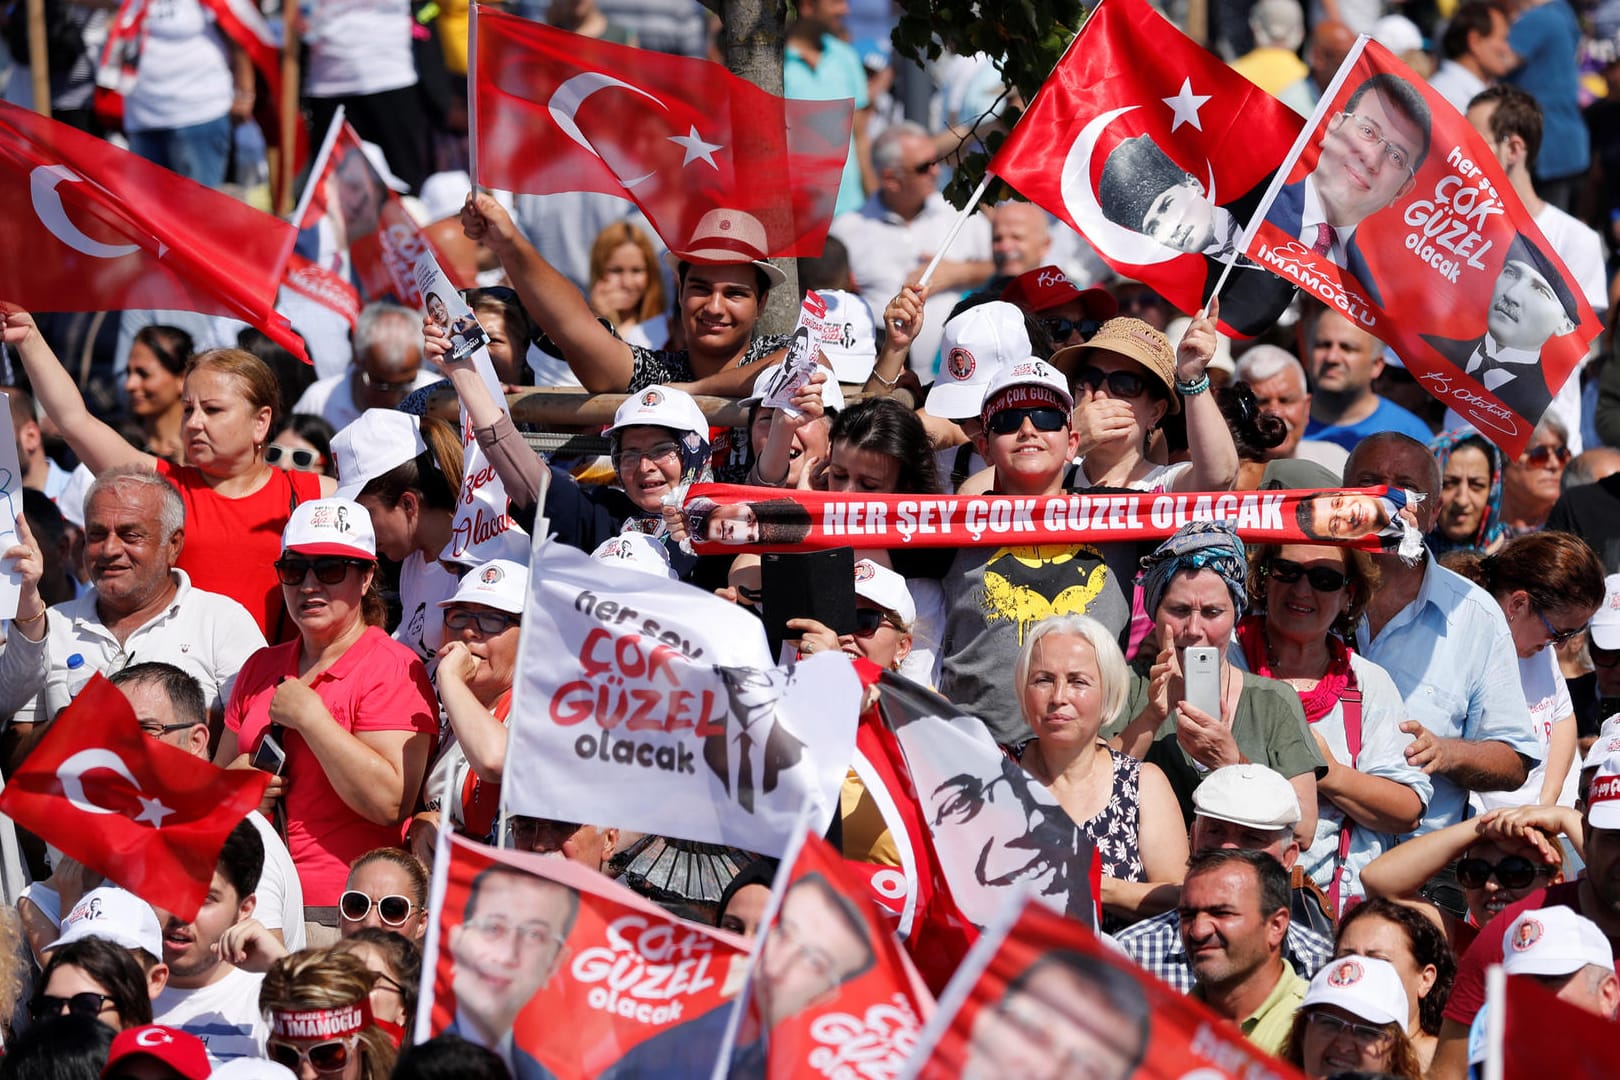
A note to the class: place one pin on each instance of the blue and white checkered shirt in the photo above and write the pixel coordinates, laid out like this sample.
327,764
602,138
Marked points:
1156,945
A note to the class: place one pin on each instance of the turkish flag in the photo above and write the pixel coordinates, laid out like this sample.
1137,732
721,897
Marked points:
681,137
90,227
148,816
1587,1045
1158,154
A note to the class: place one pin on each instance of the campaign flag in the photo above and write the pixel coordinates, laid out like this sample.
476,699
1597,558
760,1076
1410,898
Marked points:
653,705
681,137
1393,211
565,971
728,518
1041,995
1157,152
95,228
830,993
321,286
1587,1045
148,816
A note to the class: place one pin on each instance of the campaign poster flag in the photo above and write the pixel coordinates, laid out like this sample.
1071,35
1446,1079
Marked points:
1395,214
830,993
650,704
1157,153
1044,996
803,349
11,486
563,971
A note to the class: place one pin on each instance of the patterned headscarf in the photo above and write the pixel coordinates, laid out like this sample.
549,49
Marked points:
1198,545
1491,526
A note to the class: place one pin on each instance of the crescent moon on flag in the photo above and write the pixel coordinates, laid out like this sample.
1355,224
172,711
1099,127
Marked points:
48,205
71,774
567,98
1114,241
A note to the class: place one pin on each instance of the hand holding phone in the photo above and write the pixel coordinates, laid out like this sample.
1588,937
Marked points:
1201,678
269,756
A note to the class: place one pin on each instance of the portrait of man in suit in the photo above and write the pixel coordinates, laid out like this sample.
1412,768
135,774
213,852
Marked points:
1531,304
1370,156
750,755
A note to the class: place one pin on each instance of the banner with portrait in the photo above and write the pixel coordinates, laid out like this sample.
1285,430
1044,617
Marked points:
726,518
563,971
1393,211
1041,995
653,705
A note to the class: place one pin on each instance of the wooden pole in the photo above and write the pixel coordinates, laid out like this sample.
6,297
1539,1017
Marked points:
38,62
289,118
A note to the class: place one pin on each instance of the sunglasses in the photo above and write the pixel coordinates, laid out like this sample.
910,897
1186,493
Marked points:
923,168
298,458
489,623
329,569
1121,384
392,910
1556,636
1060,328
1513,872
867,621
324,1057
88,1003
1043,417
1321,578
1604,658
1539,456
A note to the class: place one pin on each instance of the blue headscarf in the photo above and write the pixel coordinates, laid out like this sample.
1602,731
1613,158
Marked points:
1198,545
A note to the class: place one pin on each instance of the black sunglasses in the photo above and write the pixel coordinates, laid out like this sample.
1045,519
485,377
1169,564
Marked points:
393,910
1044,417
329,569
1060,328
489,623
300,458
88,1003
867,621
1121,384
1513,872
1321,578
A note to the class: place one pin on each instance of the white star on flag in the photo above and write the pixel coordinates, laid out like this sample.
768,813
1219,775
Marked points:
696,149
152,810
1186,105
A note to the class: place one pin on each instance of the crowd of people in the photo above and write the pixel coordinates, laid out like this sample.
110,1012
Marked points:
1406,772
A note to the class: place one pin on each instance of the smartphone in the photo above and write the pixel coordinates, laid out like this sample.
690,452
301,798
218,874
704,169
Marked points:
817,585
269,757
1201,678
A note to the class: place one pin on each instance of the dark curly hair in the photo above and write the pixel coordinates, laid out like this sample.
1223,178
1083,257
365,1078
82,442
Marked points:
1428,946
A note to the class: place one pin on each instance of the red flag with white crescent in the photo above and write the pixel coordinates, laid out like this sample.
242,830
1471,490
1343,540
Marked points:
146,815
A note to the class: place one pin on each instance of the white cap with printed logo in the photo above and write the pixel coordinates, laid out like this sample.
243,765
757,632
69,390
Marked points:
1605,622
886,589
1553,941
974,346
500,583
1362,986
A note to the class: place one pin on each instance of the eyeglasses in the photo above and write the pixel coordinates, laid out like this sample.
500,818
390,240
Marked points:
324,1057
1121,384
1060,328
541,834
382,386
1554,635
1540,456
923,168
88,1003
867,621
489,623
1043,417
294,457
1333,1026
498,930
1368,132
392,910
329,569
1513,872
157,731
630,459
1604,658
1322,578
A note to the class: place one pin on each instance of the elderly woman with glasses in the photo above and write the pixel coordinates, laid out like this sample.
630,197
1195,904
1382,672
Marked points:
318,1006
1532,482
343,715
1194,587
1308,599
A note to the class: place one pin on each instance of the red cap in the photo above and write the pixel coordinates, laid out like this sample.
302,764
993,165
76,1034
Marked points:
1047,287
179,1051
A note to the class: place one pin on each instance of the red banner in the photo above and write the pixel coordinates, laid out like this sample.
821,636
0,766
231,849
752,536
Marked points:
1587,1045
569,969
1158,153
1397,215
729,518
1048,997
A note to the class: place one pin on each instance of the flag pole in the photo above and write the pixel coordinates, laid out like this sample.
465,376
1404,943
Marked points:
287,155
38,59
956,227
439,884
317,167
472,94
1495,1021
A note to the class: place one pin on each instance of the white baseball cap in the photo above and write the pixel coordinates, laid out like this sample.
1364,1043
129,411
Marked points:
636,551
379,440
832,395
1603,797
1032,372
1362,986
661,406
973,346
1605,622
500,583
117,915
853,351
886,589
1248,794
330,527
1553,941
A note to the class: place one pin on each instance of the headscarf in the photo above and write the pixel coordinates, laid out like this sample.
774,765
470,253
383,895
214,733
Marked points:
1491,526
1197,545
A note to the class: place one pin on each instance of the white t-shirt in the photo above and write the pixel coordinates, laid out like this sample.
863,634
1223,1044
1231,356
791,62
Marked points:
359,47
422,584
333,398
224,1015
279,903
1547,696
184,77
